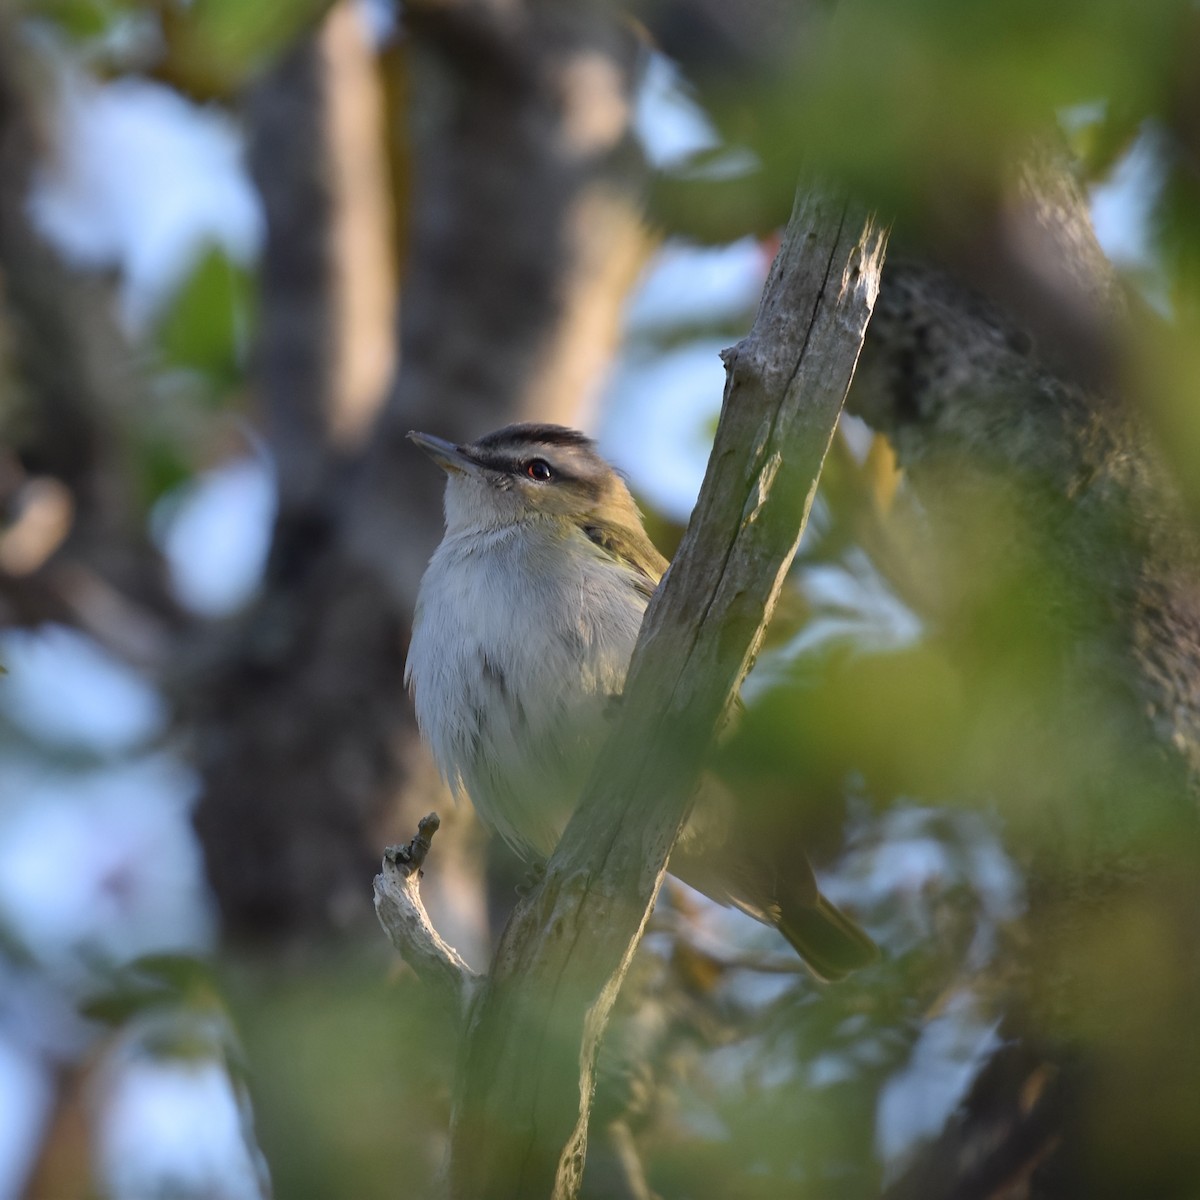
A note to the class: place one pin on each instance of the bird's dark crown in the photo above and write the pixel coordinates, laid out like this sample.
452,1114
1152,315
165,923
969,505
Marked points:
530,433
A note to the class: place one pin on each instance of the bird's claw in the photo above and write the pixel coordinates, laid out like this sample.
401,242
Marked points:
533,879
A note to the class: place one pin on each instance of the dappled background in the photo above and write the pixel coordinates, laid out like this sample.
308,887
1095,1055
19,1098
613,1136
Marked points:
245,248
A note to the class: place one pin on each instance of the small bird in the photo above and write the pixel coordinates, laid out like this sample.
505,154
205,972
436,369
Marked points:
525,623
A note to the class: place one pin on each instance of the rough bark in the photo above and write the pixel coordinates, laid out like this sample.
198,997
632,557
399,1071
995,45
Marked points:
523,1098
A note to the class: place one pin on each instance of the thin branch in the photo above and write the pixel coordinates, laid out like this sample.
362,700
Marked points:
403,917
524,1093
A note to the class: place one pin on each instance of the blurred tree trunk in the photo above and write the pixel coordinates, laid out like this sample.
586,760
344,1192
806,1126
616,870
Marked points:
75,548
520,240
295,716
73,542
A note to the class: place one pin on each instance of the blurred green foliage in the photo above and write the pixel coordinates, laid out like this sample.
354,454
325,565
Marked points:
351,1063
214,47
83,20
199,349
209,324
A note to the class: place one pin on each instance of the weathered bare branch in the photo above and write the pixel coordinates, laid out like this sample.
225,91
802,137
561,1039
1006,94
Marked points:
520,1122
403,917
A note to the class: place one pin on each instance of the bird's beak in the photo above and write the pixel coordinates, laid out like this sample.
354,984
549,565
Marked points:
446,454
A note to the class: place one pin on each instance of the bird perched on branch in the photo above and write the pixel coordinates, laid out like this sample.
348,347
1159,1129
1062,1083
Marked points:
525,623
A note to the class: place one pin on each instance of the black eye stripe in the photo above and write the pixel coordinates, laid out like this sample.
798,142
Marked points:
512,462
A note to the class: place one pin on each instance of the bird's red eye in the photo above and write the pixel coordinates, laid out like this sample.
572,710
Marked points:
539,469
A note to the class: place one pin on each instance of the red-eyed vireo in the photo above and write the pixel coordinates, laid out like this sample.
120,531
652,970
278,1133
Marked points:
525,623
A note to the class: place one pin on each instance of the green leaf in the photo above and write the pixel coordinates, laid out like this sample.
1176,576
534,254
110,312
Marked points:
206,327
81,20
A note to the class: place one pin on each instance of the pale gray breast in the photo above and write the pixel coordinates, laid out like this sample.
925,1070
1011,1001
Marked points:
516,647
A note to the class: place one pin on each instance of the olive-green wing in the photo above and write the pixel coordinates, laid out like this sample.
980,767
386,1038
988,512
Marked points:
630,547
634,548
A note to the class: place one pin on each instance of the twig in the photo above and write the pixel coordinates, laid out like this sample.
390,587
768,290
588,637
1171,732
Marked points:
403,917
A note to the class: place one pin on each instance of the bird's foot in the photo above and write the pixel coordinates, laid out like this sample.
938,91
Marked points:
533,879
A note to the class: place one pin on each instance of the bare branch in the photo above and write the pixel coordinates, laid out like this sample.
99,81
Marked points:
525,1090
404,919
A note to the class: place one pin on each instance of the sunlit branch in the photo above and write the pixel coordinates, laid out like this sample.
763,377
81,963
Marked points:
402,914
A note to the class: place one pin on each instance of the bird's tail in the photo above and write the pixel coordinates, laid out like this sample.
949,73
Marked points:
829,941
